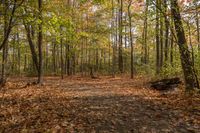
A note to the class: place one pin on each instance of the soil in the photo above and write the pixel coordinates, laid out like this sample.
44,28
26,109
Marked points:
105,105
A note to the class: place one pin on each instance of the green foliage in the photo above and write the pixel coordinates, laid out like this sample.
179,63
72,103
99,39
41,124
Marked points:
86,28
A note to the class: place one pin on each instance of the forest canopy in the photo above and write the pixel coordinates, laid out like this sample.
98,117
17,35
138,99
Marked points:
105,66
100,37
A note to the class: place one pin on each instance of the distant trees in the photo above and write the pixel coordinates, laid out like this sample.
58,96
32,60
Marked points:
8,12
30,33
106,37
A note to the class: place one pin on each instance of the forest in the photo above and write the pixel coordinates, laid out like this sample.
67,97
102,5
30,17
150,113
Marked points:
105,66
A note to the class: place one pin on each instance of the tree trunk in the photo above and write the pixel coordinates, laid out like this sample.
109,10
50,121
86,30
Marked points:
40,63
32,47
197,22
161,33
4,56
68,61
172,40
120,36
19,54
4,62
166,31
186,61
8,26
61,54
145,59
54,55
81,58
190,42
114,23
157,40
131,38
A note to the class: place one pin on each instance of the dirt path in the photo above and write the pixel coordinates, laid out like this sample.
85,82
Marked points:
77,104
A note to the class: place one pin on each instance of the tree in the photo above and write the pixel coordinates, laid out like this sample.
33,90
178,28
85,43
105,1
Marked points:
197,22
32,46
9,26
157,39
40,63
131,37
61,52
9,10
186,61
160,7
120,36
145,30
166,38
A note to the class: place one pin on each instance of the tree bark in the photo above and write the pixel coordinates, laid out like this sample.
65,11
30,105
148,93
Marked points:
161,33
166,31
32,47
145,59
40,63
157,40
114,45
197,22
120,36
61,54
186,61
131,38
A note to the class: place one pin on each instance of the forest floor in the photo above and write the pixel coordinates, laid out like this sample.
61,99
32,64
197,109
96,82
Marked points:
75,104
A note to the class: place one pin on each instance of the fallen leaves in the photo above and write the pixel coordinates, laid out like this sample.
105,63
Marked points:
105,105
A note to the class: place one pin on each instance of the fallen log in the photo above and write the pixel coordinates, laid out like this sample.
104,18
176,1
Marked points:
166,84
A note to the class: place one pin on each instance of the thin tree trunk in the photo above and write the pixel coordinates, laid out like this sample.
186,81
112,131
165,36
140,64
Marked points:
157,40
190,42
109,54
4,46
172,50
161,33
120,36
68,61
131,38
54,56
47,57
97,60
25,60
74,63
40,63
14,55
82,58
19,53
197,22
61,54
166,31
172,38
9,24
145,33
114,45
32,47
4,62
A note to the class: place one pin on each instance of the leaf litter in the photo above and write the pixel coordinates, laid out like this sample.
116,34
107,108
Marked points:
78,104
